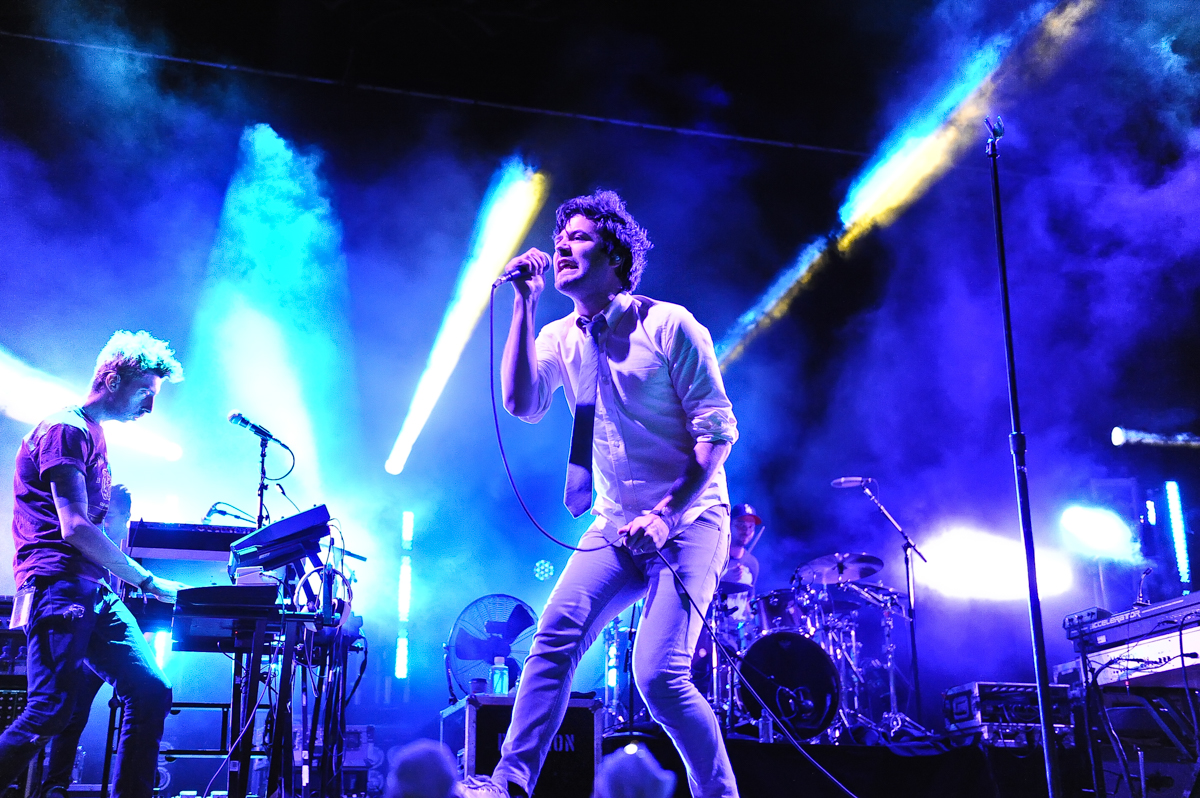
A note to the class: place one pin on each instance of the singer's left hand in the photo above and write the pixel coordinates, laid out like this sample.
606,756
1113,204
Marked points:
645,526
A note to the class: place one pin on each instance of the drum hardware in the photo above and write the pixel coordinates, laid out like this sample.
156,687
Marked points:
816,689
836,628
896,722
910,548
837,568
623,711
714,665
777,609
731,588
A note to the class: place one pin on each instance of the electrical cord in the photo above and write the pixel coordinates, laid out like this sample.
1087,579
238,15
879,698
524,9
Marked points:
1090,683
238,513
290,469
362,668
782,727
499,439
253,714
1187,688
716,641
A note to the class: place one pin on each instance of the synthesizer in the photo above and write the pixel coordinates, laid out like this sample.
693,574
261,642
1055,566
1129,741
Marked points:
1134,624
1157,645
153,540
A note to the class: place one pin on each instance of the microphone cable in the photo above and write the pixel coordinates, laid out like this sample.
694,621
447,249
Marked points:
500,439
729,656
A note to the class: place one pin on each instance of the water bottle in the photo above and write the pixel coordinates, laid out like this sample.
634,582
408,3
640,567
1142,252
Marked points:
766,729
499,677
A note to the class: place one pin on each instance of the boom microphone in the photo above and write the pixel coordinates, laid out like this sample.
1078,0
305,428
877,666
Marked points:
239,420
850,482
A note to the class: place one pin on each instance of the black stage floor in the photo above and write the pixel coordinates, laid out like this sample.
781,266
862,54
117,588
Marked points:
778,771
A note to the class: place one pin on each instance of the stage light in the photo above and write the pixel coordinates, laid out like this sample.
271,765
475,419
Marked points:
919,152
407,519
516,195
402,655
404,594
1178,531
28,395
405,587
1151,513
543,570
971,564
162,647
1099,532
271,335
612,664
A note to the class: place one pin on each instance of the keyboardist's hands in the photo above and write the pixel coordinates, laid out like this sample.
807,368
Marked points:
165,589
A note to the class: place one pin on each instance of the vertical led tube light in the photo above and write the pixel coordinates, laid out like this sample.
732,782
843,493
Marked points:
404,593
402,654
1178,532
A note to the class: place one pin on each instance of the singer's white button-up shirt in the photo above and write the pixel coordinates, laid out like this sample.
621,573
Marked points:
660,391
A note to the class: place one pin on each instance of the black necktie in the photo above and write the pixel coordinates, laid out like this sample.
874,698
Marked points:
578,493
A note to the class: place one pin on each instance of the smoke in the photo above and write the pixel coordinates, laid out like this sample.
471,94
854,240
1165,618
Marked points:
113,179
1097,168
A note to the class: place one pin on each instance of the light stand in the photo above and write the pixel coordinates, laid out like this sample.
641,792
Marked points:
1017,444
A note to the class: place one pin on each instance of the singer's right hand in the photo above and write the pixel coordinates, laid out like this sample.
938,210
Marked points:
532,263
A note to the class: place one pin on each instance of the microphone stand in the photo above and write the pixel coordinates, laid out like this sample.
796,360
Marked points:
262,481
1017,444
910,549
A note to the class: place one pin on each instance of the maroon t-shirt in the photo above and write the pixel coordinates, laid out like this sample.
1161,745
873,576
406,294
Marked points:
67,437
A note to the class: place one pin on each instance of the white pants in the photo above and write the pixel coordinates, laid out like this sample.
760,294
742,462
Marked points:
593,589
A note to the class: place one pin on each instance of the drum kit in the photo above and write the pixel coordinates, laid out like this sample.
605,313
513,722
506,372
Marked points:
800,651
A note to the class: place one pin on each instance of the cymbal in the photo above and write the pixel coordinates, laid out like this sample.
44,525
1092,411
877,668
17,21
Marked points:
729,588
839,567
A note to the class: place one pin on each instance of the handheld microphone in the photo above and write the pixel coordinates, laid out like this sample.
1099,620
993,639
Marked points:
239,420
510,275
850,482
527,267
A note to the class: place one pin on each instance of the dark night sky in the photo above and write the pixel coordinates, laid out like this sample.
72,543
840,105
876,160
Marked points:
114,171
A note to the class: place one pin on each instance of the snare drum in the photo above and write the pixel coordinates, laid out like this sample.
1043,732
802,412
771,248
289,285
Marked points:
778,610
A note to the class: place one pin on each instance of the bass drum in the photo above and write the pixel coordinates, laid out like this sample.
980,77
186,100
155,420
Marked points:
795,678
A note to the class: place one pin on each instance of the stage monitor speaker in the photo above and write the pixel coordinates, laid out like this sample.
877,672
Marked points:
475,727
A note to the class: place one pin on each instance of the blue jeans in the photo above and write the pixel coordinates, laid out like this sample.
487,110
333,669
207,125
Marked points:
76,624
593,589
60,761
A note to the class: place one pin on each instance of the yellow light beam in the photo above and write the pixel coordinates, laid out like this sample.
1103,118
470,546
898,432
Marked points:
915,162
516,196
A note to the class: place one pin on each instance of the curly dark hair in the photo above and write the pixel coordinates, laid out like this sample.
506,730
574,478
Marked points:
623,238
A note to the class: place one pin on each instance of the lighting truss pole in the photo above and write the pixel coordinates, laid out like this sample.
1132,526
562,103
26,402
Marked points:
1017,445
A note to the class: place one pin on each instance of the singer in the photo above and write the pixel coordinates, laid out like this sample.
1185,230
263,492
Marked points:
72,619
653,427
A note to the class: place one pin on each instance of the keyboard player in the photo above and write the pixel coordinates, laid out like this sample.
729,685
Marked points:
71,618
60,761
